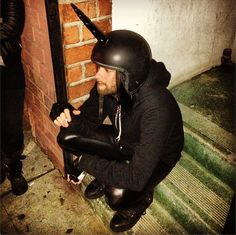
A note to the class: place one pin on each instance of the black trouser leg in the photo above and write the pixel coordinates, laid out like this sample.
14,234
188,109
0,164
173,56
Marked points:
101,142
98,142
128,198
12,107
12,138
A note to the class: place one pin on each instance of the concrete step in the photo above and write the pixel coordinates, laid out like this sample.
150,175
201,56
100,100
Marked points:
213,156
201,125
194,197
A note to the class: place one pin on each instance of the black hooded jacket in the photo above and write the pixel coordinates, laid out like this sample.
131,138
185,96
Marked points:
11,28
151,124
13,18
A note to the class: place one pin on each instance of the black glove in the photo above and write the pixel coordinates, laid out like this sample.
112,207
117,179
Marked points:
75,173
58,108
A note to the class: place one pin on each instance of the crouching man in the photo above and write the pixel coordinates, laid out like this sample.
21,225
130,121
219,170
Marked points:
130,157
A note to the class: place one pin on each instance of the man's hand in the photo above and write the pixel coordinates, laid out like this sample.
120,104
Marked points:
60,113
78,180
65,117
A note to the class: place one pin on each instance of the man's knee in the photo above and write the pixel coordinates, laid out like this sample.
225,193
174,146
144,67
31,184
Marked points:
119,199
67,138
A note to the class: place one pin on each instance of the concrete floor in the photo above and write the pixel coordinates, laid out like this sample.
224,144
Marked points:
211,94
50,206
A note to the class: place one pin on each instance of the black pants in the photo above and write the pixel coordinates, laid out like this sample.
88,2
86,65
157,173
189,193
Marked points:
102,142
12,108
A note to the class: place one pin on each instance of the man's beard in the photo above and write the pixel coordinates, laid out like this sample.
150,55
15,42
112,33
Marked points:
106,90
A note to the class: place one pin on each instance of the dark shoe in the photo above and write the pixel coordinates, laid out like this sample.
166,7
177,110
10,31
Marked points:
94,190
125,219
18,183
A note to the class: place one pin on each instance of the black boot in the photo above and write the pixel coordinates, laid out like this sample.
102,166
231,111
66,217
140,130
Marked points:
125,219
94,190
18,182
2,173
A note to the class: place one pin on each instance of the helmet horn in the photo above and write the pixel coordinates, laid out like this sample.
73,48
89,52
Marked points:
89,24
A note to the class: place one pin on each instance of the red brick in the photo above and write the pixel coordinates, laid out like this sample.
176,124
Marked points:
38,94
36,79
24,56
47,58
87,35
35,51
27,3
26,69
33,76
47,101
104,7
32,122
50,137
52,127
56,157
50,83
31,86
28,32
32,54
37,114
44,109
34,65
77,54
39,6
74,74
29,97
41,84
31,17
71,35
41,38
41,137
81,89
103,25
51,93
43,24
68,15
25,41
90,69
46,72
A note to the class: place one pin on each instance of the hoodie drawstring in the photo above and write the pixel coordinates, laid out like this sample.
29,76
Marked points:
118,122
100,110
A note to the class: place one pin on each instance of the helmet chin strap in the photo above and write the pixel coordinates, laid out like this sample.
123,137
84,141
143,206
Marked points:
118,79
90,25
122,78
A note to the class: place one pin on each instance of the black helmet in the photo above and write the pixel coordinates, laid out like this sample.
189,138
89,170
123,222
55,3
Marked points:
122,50
127,52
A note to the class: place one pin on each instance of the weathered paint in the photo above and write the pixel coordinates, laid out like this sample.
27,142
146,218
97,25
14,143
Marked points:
187,35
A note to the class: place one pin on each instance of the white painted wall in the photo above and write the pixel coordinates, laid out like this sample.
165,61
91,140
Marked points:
187,35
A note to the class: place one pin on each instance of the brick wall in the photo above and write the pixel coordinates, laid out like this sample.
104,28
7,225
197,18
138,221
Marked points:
78,43
36,57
